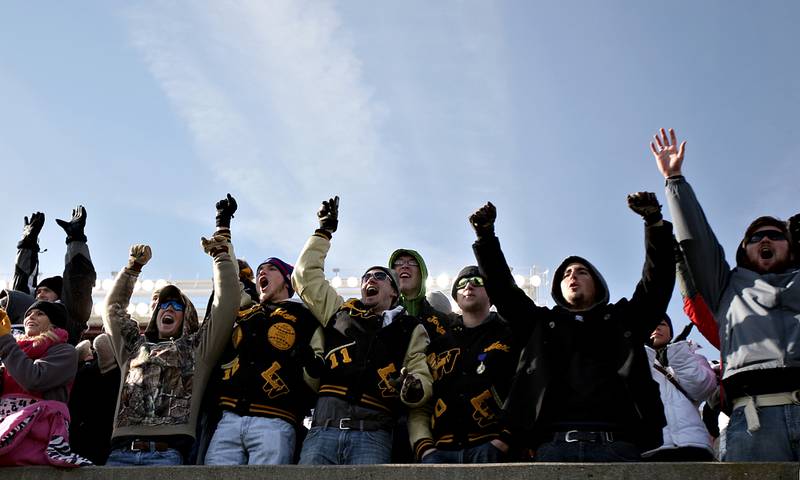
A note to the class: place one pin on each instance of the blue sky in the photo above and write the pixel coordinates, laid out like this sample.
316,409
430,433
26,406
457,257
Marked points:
414,112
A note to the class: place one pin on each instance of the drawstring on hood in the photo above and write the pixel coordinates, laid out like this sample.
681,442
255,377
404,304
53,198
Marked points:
601,288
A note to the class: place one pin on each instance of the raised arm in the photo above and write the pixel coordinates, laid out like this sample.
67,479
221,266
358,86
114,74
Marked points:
511,301
225,305
79,275
122,329
26,267
704,255
308,278
654,290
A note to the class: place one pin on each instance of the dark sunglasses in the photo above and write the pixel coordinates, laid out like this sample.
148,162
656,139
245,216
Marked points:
773,235
178,307
474,281
402,263
380,276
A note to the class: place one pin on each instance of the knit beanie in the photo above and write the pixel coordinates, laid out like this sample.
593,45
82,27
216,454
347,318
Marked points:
392,277
285,269
53,283
466,272
55,311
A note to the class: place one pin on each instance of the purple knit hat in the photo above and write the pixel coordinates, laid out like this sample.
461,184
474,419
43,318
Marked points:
285,269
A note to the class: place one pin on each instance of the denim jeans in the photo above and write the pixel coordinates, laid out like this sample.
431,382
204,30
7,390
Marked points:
776,440
484,453
122,457
587,452
332,446
251,441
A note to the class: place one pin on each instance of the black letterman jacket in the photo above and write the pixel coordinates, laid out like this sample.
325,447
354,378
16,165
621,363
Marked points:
362,355
261,372
472,372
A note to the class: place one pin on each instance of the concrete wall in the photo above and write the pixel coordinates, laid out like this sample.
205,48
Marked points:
523,471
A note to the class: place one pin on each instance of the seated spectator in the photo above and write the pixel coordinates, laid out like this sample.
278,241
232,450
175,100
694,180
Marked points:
685,380
37,372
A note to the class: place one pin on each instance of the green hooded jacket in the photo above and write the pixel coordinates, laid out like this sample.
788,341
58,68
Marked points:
412,304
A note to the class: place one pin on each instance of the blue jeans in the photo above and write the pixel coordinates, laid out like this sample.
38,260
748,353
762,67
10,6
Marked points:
332,446
251,441
484,453
122,457
776,440
587,452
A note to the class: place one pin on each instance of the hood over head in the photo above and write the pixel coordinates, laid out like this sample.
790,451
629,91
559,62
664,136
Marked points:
190,321
601,288
765,221
413,302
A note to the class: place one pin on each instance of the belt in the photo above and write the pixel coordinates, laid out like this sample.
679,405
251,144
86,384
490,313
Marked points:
766,400
146,446
351,424
591,437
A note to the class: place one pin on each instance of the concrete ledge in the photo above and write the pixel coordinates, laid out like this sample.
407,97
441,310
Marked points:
515,471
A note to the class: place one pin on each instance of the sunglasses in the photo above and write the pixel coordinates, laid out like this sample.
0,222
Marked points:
773,235
178,307
379,276
474,281
405,263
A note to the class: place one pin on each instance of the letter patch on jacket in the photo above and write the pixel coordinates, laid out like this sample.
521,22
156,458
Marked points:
281,335
483,414
388,381
230,368
443,363
275,386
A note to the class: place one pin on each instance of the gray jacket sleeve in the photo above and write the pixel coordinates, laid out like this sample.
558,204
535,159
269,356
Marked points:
704,255
55,369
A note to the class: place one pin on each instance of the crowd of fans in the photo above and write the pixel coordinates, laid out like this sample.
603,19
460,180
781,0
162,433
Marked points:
394,376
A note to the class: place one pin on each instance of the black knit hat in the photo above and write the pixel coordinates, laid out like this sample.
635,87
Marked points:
466,272
55,311
53,283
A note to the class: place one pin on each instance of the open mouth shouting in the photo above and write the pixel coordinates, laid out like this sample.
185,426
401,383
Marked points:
371,290
765,252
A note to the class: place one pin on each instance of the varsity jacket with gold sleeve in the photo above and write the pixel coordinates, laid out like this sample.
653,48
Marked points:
363,358
472,371
261,372
364,352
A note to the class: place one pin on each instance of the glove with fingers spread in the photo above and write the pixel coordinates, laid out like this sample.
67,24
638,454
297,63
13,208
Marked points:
225,210
139,256
216,245
482,220
74,227
30,232
5,323
646,205
328,215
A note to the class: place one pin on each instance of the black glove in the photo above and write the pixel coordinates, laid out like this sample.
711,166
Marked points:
74,227
684,333
483,220
411,391
225,210
30,232
328,215
645,204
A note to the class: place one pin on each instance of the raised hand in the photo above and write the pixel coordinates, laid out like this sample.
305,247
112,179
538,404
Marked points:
216,245
139,256
669,157
225,210
74,227
646,205
30,232
328,215
483,220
